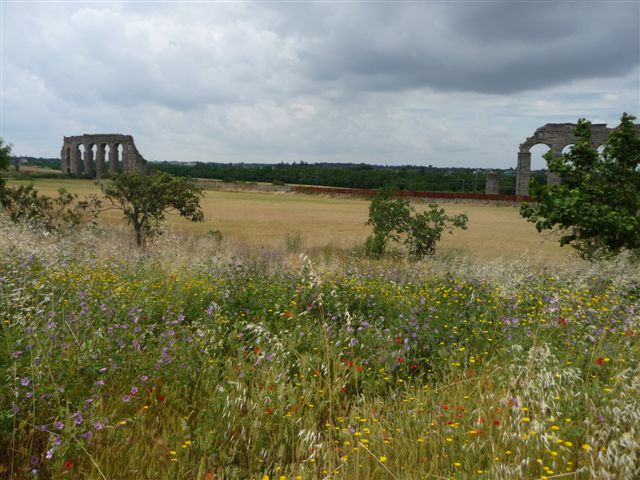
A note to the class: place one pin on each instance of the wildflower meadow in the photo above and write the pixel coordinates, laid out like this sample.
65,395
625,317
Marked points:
206,362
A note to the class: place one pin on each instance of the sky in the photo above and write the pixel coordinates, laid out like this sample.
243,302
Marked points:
442,83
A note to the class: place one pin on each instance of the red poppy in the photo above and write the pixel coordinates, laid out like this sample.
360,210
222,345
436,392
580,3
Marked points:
496,422
400,359
160,398
600,361
68,464
398,339
413,366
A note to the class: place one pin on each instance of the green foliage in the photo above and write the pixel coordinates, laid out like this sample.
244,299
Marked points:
392,218
146,199
5,161
597,205
425,230
25,205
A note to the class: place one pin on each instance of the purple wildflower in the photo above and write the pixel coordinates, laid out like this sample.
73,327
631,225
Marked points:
77,418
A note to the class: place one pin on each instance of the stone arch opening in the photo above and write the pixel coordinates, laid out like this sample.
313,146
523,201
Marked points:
537,152
107,158
82,149
120,156
567,148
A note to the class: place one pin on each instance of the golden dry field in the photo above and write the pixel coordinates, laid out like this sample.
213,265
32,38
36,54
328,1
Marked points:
264,220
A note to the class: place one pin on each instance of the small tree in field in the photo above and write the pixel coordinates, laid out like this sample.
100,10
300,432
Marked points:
146,199
597,205
392,218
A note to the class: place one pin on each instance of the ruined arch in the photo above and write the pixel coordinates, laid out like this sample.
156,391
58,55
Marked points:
93,162
556,136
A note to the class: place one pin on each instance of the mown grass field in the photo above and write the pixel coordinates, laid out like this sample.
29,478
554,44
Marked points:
241,359
266,219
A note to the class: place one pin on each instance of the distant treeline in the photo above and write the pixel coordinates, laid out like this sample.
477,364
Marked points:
38,161
349,175
415,178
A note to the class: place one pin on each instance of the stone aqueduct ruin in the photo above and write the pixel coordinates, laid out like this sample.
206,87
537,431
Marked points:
556,136
93,155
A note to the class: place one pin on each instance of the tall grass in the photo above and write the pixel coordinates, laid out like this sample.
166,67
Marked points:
201,359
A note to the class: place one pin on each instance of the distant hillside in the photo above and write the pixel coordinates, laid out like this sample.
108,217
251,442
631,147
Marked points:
37,161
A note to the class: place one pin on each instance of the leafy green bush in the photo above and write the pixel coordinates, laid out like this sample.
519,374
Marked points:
393,218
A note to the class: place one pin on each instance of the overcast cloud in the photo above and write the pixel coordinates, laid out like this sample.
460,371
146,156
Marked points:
440,83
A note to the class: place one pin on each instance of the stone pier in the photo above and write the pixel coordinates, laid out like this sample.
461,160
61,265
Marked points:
493,183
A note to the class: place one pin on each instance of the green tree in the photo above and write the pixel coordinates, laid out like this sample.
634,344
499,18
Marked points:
392,219
146,199
597,205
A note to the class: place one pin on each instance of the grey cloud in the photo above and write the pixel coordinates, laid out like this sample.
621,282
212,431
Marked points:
502,47
391,83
